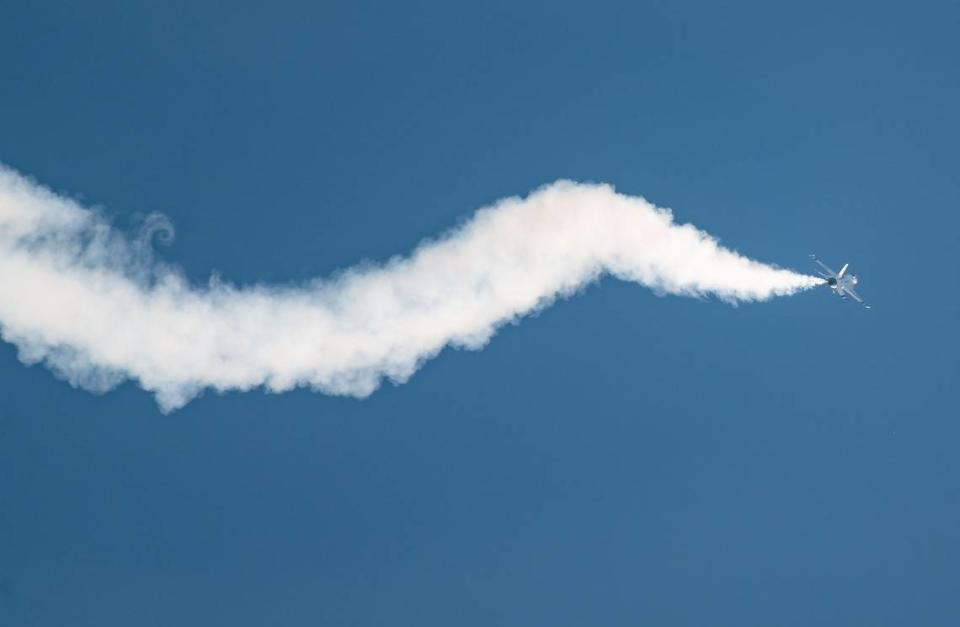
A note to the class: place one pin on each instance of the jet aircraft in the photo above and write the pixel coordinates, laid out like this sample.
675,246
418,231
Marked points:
842,283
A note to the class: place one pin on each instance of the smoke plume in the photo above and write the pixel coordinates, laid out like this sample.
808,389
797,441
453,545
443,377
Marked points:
97,308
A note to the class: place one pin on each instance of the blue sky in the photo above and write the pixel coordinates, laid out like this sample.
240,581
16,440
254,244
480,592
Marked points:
621,458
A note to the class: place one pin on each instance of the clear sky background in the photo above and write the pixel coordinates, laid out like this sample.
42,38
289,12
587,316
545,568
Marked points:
620,459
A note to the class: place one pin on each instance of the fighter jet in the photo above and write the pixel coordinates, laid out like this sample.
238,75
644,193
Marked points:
840,282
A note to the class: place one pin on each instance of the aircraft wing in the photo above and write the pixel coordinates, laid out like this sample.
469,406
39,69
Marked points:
853,294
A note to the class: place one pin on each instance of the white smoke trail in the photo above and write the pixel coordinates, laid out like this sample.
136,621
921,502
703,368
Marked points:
97,309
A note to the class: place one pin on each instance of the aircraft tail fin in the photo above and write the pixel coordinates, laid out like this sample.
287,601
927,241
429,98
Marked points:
830,272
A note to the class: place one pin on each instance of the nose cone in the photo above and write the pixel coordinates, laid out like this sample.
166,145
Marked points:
854,279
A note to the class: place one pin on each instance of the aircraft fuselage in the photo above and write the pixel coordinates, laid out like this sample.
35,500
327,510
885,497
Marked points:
841,283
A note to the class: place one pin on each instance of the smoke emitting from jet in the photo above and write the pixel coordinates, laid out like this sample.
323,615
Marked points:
97,308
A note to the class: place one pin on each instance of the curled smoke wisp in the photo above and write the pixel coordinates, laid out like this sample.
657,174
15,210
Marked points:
97,308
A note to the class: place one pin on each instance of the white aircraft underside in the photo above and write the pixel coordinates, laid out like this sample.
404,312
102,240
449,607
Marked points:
842,283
